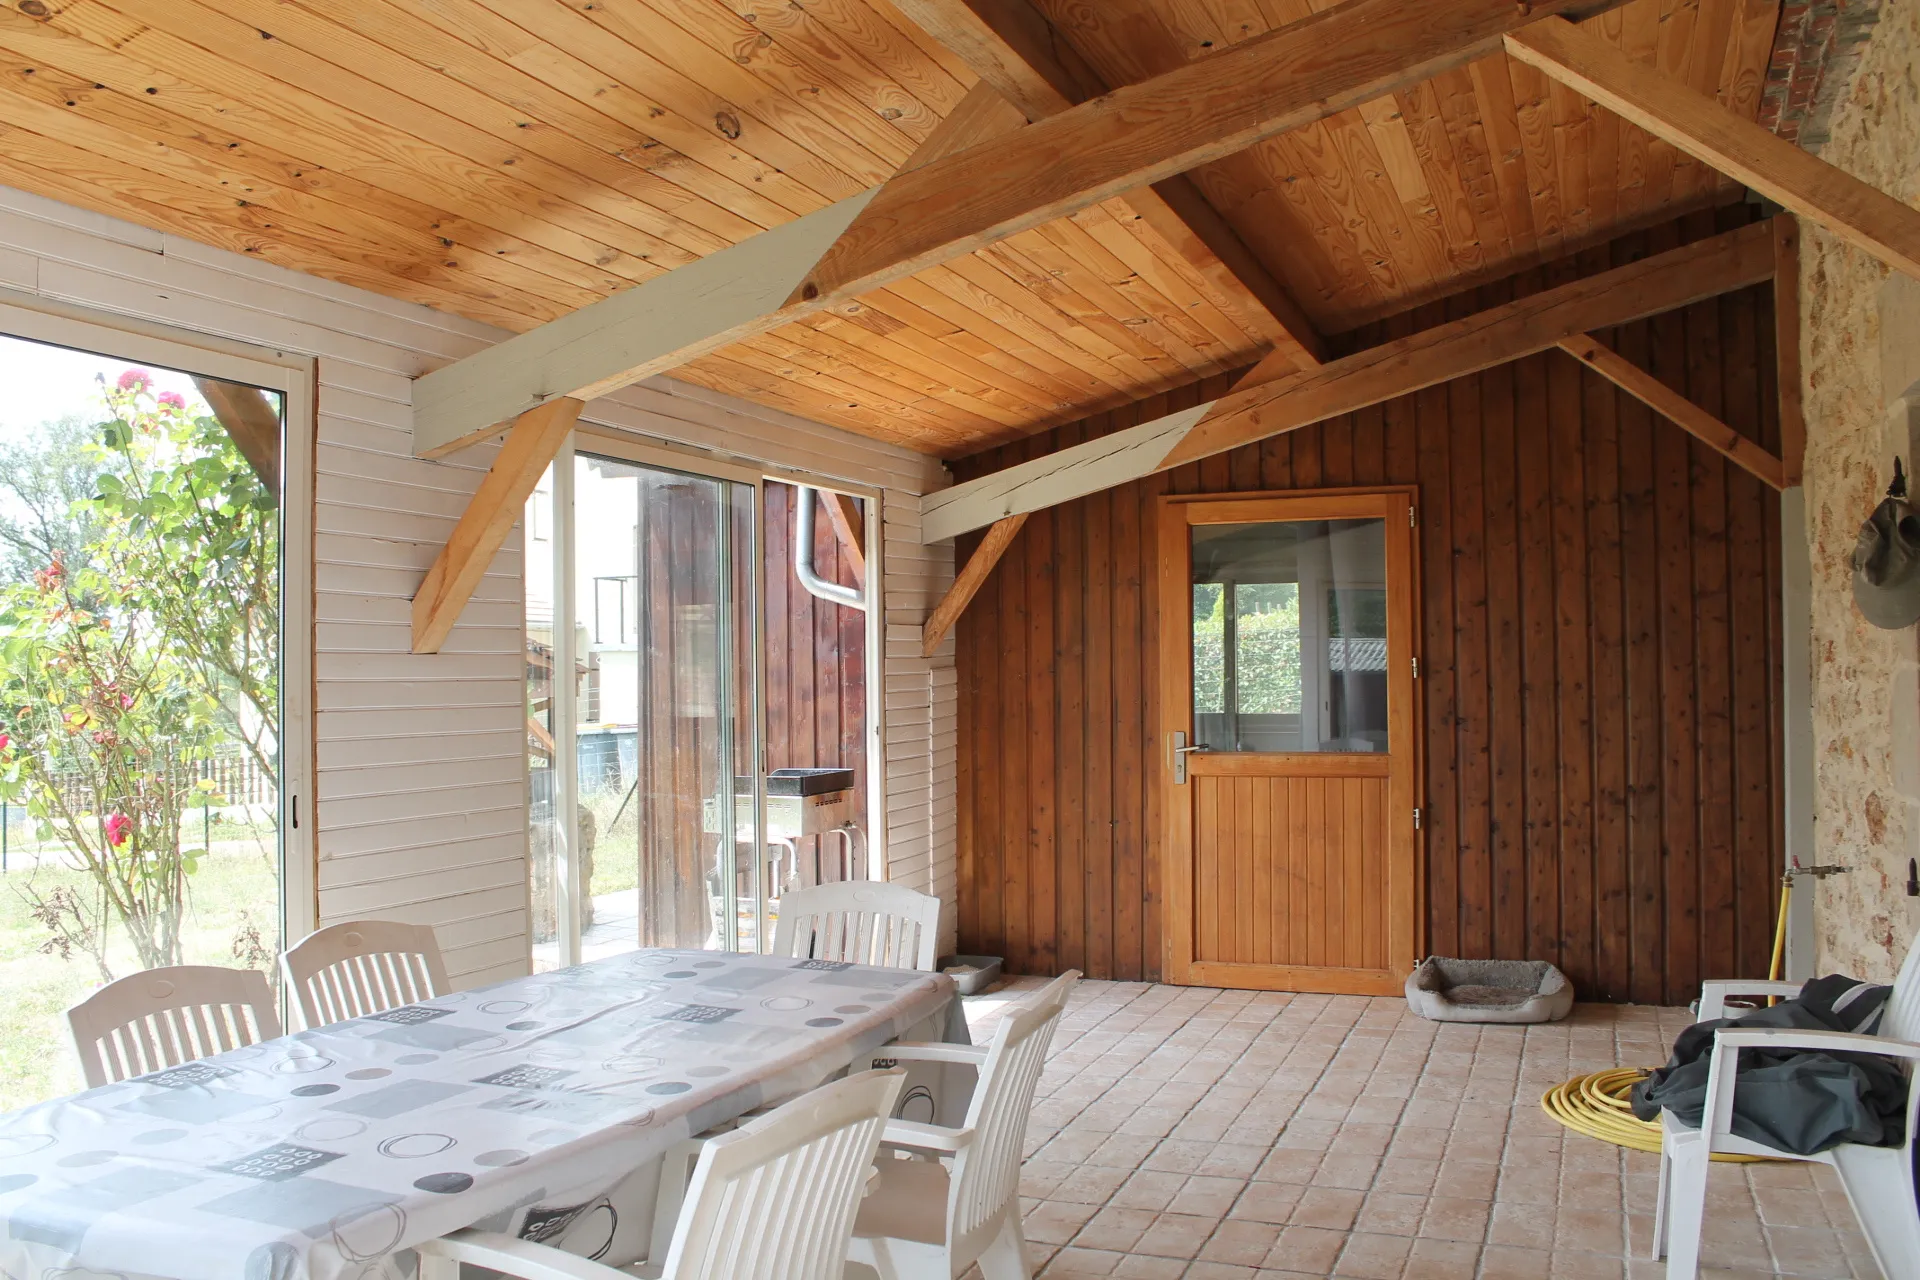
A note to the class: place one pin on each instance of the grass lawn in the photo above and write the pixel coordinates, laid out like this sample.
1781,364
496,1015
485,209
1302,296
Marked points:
235,888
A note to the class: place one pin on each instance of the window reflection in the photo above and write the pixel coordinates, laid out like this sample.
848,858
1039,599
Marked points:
1290,636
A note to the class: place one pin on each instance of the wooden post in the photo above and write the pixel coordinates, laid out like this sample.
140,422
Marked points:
1786,346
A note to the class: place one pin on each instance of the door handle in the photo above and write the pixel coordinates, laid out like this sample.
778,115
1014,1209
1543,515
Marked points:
1180,751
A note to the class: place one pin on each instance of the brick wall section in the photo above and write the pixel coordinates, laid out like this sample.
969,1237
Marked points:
1815,53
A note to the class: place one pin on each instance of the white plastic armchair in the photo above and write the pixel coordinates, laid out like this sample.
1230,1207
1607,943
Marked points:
932,1218
860,922
362,967
772,1200
1879,1181
159,1018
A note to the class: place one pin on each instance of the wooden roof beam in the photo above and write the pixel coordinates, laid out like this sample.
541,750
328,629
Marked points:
1676,408
1270,401
1866,218
1013,47
950,207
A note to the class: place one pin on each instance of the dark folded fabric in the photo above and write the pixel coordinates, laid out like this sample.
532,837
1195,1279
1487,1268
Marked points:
1790,1099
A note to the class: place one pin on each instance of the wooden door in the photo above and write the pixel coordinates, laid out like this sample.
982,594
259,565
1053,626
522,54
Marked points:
1291,752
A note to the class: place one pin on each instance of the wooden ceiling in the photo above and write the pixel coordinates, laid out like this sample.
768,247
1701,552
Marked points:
512,160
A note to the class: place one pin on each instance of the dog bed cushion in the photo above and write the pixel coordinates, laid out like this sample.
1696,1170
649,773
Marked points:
1447,990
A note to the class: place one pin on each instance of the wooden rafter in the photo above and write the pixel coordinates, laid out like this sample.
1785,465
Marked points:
1676,408
483,527
967,583
1261,406
945,209
1013,47
1868,219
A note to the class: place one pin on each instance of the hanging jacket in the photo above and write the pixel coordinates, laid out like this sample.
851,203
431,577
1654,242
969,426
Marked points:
1794,1100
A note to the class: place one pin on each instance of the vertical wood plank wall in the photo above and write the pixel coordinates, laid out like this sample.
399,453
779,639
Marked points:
816,659
1601,656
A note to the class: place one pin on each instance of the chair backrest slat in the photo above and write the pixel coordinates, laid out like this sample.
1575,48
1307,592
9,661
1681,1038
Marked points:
363,967
860,922
775,1199
160,1018
986,1173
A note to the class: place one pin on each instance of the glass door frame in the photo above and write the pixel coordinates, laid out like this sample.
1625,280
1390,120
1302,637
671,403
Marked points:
292,375
622,446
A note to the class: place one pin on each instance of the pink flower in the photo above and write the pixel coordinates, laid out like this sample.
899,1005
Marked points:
5,741
135,380
173,400
119,827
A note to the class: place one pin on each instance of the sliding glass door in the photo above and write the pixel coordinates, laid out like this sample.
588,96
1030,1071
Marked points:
697,685
661,712
150,723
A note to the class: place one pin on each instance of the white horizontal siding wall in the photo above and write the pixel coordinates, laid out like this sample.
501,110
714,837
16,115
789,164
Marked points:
420,775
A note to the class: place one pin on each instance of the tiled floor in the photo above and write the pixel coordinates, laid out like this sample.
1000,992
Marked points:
1207,1135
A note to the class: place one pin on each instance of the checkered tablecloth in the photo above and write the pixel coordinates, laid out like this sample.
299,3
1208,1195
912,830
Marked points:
525,1107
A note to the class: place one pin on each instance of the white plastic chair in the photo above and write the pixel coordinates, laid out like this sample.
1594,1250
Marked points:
931,1219
861,922
364,966
161,1018
773,1200
1879,1181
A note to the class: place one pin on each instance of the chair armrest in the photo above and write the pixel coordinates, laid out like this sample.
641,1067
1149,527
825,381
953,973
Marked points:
965,1055
1826,1041
515,1257
925,1137
1713,995
1723,1068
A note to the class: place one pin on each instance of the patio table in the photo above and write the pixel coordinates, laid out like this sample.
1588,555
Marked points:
540,1106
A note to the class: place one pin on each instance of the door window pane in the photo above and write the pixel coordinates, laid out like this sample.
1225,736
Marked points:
1289,636
140,715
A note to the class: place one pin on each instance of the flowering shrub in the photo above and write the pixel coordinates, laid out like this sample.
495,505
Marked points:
120,672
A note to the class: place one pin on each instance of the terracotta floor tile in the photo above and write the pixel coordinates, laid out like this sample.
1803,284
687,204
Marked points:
1189,1134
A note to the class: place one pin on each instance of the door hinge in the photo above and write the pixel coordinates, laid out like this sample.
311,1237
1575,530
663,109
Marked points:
1416,819
1416,668
1412,519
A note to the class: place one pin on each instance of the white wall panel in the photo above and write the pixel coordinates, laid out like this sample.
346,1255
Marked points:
421,780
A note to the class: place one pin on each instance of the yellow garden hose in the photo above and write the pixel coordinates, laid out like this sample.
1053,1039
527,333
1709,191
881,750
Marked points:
1597,1104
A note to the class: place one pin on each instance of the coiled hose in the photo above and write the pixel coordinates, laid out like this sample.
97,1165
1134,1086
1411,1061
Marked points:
1597,1104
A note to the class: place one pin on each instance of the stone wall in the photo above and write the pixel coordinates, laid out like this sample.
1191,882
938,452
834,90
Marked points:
1866,714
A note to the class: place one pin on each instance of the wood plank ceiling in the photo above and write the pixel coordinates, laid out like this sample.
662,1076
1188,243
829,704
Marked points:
512,160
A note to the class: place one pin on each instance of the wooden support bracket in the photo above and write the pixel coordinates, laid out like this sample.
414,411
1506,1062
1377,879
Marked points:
533,440
849,525
251,419
968,583
1676,408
